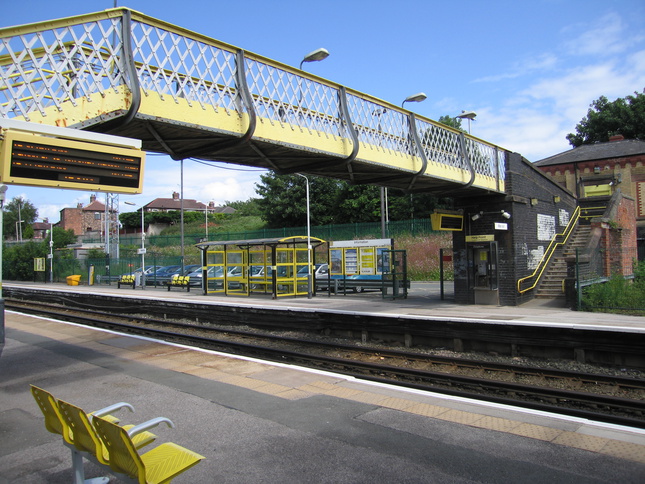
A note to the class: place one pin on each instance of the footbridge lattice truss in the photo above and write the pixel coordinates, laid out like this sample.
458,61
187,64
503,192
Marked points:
189,96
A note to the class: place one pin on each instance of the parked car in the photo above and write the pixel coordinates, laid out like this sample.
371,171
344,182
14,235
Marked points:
320,271
162,275
197,276
191,268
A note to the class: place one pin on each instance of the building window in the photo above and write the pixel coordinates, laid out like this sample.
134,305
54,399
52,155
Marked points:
97,215
640,198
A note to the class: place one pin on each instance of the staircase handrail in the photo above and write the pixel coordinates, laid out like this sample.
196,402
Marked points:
546,257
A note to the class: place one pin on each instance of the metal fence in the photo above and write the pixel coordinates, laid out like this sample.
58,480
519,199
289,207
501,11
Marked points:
107,270
325,232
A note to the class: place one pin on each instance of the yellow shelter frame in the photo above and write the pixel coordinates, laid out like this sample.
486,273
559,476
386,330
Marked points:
275,266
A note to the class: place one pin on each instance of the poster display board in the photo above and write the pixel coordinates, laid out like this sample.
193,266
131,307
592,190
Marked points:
360,257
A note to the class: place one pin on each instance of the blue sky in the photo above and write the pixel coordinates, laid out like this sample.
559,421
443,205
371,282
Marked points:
529,70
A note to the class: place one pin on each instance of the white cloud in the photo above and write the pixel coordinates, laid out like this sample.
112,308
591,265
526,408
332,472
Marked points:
527,66
607,36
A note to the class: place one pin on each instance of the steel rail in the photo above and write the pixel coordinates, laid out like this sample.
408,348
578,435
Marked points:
610,409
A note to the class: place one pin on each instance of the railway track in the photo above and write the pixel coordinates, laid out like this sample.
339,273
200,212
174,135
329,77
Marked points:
599,397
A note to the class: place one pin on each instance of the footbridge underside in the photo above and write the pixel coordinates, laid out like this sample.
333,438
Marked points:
189,96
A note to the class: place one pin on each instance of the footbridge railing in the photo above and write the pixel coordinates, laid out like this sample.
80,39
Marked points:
188,95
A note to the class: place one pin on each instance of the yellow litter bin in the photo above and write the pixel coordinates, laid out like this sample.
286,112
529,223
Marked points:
73,280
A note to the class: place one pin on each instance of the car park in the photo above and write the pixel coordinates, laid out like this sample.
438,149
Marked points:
196,277
162,275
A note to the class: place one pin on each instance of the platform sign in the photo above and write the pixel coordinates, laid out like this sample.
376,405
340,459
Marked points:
39,264
68,158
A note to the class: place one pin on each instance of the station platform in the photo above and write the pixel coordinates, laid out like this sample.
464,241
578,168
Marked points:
423,302
256,421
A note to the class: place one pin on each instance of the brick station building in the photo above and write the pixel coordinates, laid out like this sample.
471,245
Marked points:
602,168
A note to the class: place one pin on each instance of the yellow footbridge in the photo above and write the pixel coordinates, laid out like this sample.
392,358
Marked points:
189,96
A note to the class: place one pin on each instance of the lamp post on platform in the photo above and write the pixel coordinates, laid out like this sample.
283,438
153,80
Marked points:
142,250
51,251
309,275
3,190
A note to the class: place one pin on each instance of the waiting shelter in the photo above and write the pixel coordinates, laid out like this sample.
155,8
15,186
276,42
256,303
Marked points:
276,266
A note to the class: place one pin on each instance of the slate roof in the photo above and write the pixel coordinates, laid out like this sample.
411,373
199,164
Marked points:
597,151
175,204
95,206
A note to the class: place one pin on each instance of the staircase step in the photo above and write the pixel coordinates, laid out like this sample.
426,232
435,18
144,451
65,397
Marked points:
551,284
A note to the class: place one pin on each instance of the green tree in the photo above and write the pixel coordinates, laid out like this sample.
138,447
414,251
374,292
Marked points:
130,220
62,238
451,121
358,204
18,260
247,208
283,201
18,209
624,116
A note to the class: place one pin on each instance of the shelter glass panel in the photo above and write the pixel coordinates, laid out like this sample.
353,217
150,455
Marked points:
215,279
236,276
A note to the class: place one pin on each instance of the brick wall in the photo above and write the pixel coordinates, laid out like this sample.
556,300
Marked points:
72,218
618,240
536,215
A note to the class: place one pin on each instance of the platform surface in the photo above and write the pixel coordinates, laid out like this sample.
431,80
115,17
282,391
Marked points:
423,302
261,422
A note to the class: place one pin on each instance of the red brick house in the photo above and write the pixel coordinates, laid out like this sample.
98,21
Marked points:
88,220
599,169
174,205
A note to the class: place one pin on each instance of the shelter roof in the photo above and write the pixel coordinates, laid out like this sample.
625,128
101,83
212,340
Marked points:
272,241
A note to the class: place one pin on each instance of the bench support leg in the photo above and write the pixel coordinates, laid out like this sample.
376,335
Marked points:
79,471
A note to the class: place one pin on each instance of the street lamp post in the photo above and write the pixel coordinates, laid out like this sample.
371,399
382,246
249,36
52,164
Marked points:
143,247
415,98
309,272
19,222
315,56
206,221
469,115
51,252
3,190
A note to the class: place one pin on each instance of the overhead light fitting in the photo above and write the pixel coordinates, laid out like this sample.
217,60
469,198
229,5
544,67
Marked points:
315,56
467,115
415,98
479,215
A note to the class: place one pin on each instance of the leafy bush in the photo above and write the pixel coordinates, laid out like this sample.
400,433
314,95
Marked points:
18,260
619,294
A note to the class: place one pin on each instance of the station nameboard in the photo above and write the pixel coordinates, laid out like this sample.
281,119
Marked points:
46,161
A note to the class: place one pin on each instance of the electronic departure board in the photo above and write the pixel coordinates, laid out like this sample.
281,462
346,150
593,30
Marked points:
43,161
